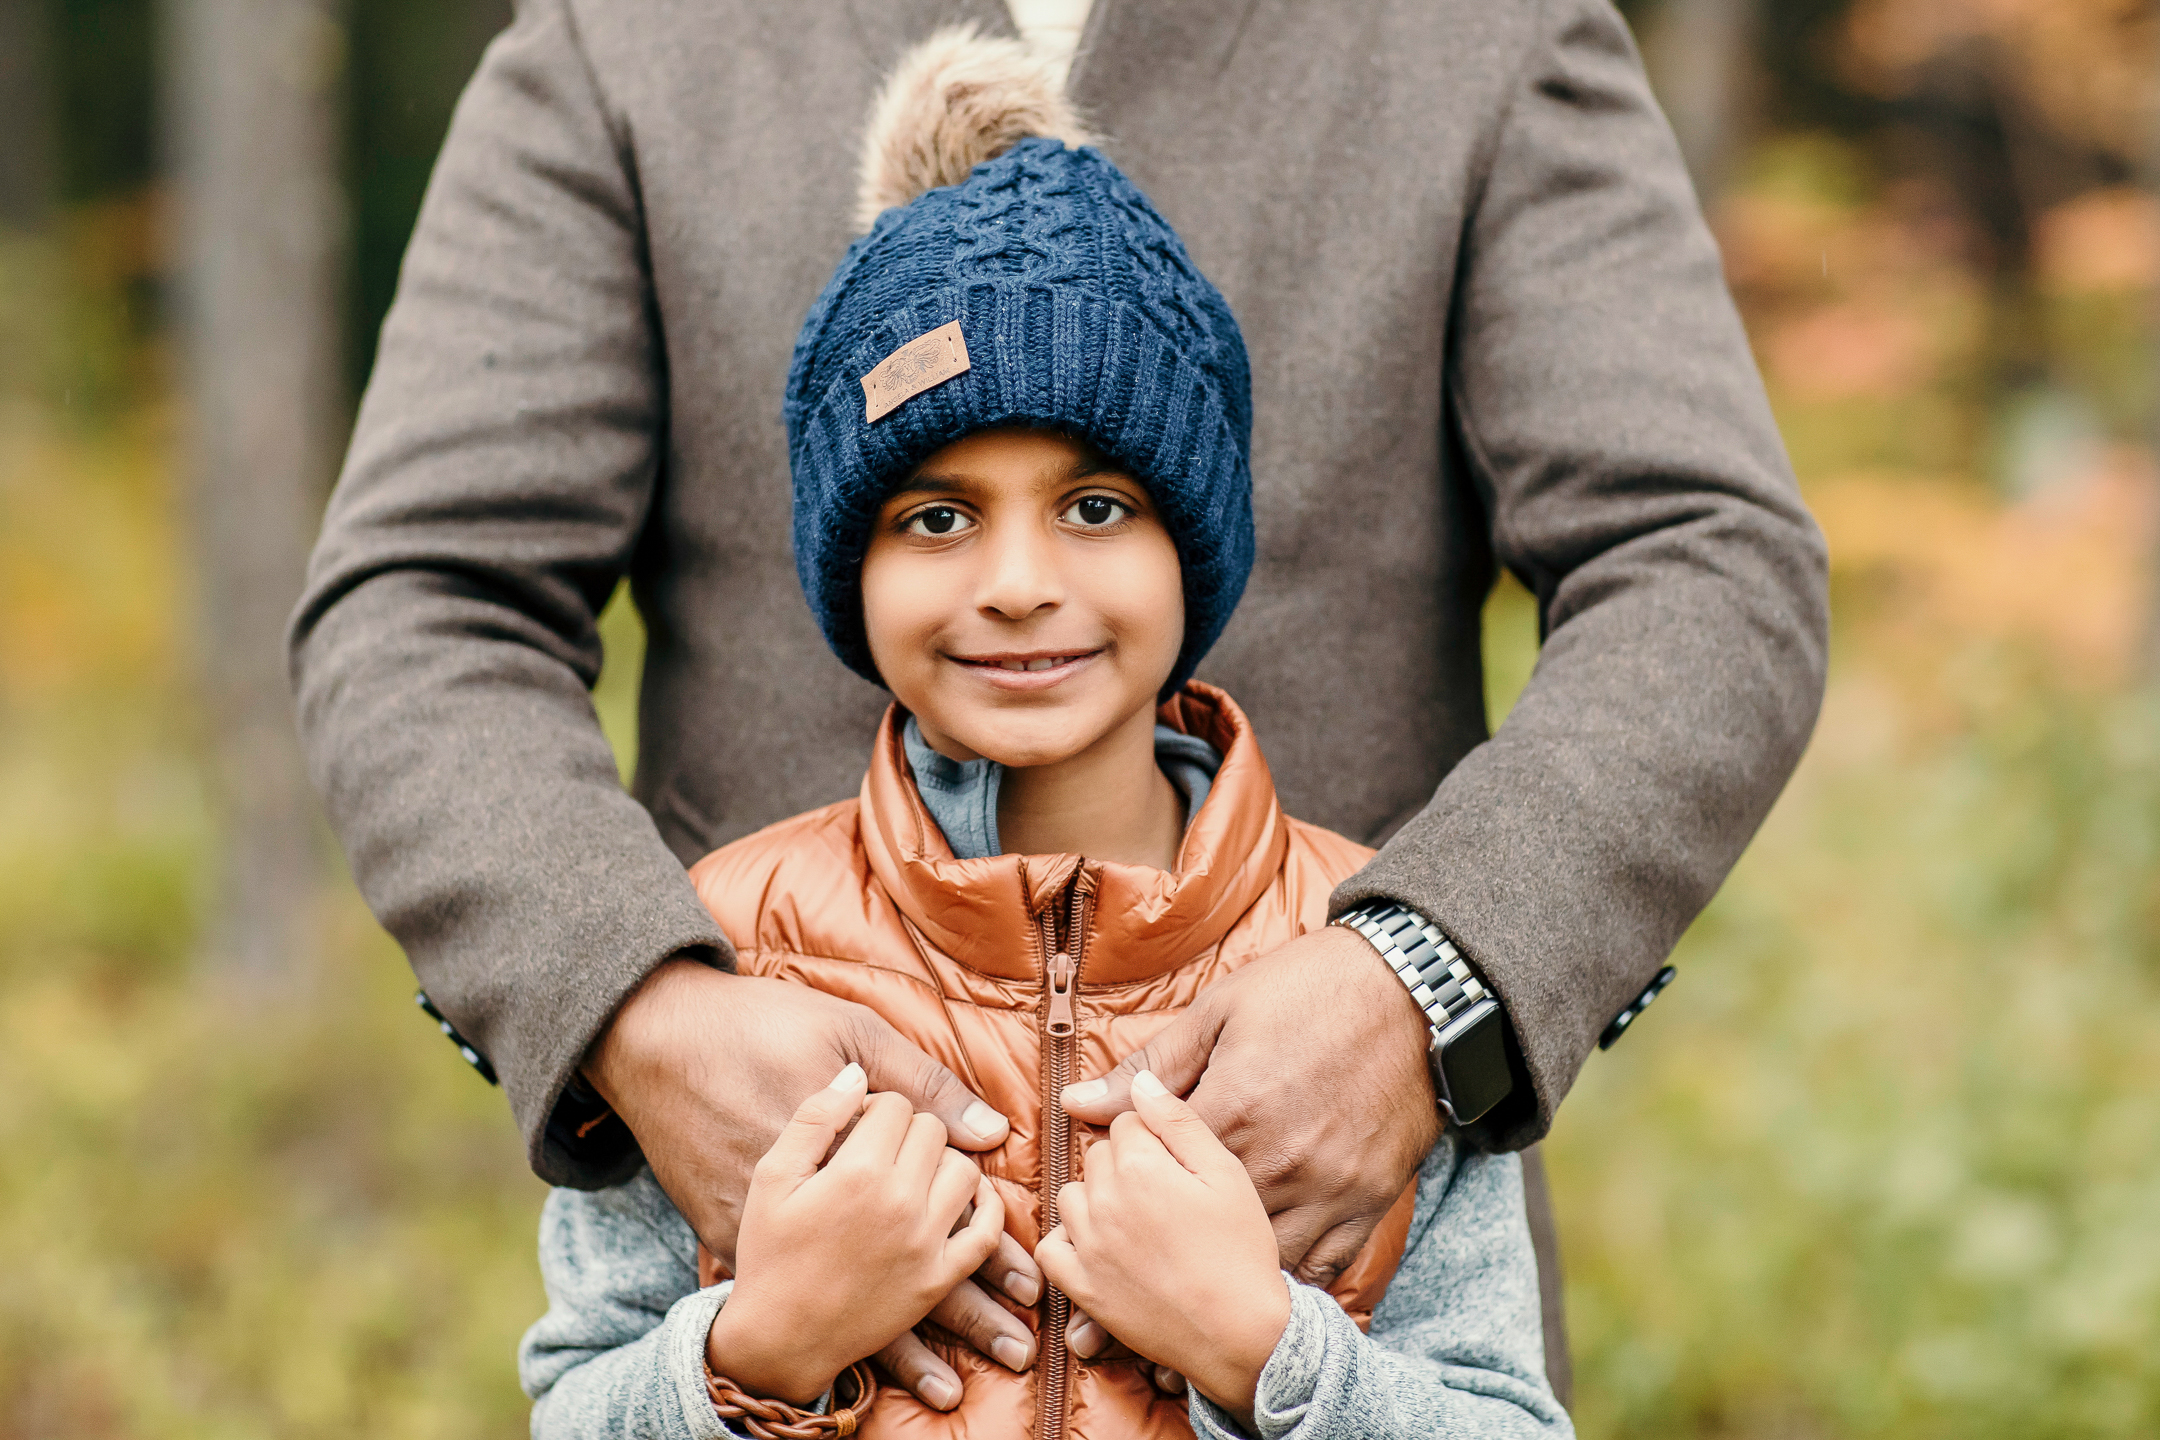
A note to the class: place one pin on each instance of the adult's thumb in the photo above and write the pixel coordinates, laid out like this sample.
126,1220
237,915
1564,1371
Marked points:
806,1139
895,1064
1177,1056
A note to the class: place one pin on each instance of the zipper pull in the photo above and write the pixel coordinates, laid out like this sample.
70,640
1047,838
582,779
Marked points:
1060,977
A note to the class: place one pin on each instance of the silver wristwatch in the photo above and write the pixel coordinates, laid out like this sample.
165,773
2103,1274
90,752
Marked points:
1468,1047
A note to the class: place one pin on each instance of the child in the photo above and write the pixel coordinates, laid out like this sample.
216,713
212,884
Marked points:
1018,423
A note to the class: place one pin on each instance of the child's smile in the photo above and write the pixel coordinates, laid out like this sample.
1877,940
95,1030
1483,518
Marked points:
1028,670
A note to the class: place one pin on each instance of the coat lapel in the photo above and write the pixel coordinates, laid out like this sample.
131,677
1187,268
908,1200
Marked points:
1127,43
886,27
1155,44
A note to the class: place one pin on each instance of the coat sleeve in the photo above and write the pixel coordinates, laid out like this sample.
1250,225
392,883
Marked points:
1603,398
1457,1344
498,482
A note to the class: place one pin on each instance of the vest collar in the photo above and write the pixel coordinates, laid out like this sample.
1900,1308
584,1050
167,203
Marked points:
1145,922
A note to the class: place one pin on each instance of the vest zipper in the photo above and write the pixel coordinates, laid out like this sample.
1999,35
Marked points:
1061,978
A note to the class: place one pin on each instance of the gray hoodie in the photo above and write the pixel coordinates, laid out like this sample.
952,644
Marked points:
1456,1347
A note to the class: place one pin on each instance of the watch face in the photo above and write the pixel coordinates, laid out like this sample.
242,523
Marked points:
1470,1064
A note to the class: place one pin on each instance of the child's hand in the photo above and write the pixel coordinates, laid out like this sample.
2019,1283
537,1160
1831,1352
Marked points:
833,1264
1167,1246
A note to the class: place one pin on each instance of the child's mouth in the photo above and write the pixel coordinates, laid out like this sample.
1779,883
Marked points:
1027,671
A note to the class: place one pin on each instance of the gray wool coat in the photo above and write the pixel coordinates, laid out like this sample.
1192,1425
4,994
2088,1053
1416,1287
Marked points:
1488,328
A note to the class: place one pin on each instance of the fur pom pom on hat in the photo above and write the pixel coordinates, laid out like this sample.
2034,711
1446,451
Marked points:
1012,276
952,102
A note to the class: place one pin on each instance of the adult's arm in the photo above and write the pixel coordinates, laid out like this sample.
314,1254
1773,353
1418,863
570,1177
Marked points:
443,651
1608,407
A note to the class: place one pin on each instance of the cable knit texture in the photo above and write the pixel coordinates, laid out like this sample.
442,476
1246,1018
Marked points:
1081,311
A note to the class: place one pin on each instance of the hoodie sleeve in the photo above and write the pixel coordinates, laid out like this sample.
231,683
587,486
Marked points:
1457,1345
620,1354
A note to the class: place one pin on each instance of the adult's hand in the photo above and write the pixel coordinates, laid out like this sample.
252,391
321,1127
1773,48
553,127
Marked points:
1309,1064
707,1068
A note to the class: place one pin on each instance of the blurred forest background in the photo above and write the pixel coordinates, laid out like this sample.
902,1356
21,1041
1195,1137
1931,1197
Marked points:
1886,1162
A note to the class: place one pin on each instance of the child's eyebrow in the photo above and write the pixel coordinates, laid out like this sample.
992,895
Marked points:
930,482
925,483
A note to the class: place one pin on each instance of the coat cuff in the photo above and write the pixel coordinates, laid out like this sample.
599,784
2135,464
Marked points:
578,1143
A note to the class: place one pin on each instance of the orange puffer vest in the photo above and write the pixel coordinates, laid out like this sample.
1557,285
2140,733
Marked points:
1019,973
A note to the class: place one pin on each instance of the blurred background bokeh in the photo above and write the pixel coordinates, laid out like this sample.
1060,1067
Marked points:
1885,1162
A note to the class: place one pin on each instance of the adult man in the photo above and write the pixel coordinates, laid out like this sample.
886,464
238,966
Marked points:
1487,325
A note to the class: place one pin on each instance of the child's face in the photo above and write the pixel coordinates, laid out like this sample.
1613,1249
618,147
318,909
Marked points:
1022,602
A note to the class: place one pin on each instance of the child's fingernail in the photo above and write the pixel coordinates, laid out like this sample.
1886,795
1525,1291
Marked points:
983,1120
848,1078
1009,1352
1023,1288
1087,1092
1146,1083
1085,1338
940,1392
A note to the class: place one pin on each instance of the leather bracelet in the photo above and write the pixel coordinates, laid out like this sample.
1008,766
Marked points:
773,1420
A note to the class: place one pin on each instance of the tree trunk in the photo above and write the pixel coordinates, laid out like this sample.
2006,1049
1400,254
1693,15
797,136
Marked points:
256,92
1699,53
26,118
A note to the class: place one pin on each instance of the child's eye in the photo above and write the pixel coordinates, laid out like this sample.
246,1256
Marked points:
1092,512
937,522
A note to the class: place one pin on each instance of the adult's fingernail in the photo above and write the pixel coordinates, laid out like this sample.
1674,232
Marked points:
1087,1092
940,1392
1009,1352
1146,1083
1023,1287
848,1078
985,1122
1085,1338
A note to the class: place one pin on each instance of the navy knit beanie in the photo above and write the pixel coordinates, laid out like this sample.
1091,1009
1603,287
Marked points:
1035,288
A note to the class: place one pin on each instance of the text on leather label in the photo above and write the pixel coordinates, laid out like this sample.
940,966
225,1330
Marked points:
925,361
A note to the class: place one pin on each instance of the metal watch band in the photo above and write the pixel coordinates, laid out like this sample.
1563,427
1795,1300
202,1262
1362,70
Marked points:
1439,979
1468,1050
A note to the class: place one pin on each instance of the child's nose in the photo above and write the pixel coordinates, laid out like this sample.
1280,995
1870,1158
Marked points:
1020,575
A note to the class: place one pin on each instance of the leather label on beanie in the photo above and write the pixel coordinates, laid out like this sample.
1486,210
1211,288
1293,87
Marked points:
925,361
